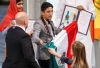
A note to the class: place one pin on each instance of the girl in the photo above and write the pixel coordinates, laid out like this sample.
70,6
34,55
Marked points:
78,53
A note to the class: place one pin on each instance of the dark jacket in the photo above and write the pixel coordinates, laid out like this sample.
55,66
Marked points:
66,60
20,53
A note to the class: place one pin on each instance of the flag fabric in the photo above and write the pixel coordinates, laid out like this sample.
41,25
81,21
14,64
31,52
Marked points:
62,43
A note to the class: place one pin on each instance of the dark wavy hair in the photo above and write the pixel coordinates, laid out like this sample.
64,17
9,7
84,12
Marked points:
18,1
45,5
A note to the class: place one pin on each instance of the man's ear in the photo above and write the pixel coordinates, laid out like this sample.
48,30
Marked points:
24,22
42,13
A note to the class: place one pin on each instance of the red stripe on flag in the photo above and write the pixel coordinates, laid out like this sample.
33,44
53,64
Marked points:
71,30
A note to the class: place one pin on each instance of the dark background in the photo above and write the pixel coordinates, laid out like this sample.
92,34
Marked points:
4,2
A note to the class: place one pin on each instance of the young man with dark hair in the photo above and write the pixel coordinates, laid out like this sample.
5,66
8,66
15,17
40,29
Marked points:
44,32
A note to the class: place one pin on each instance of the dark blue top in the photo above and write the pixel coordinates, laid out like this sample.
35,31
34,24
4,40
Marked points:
66,60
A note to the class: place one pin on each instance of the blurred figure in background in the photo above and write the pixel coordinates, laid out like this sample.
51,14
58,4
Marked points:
8,21
14,7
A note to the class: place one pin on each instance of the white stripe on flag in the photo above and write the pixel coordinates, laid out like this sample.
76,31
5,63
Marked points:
61,42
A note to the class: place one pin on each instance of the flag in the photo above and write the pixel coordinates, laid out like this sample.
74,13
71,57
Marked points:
62,43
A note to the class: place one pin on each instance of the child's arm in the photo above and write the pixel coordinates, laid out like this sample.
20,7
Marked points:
62,58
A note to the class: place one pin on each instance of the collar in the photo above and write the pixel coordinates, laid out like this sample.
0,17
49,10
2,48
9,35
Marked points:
21,27
47,21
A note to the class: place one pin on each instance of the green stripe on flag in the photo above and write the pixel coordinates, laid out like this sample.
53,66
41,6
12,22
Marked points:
53,63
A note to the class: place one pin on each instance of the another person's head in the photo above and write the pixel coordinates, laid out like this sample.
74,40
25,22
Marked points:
14,7
47,10
79,55
19,5
22,19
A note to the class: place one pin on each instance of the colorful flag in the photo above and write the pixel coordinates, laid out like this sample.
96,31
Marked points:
62,43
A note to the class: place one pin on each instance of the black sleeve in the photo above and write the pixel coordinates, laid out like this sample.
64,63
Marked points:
28,52
66,60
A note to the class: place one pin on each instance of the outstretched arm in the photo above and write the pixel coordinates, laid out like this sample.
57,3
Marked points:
62,58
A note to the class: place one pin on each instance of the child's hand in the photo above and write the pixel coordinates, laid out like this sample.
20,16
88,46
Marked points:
52,51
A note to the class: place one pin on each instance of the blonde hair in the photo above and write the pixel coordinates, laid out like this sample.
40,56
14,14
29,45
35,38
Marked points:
79,55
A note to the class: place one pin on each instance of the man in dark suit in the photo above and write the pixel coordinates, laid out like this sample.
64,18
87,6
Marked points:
20,52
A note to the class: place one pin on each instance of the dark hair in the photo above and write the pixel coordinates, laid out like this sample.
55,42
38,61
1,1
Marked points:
45,5
18,1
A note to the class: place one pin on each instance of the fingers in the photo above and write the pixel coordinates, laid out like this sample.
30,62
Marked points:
30,32
40,42
80,7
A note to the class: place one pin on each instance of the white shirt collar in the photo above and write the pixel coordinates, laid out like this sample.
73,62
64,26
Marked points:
21,27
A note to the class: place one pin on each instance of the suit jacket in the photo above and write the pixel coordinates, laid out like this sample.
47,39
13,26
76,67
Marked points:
20,52
40,33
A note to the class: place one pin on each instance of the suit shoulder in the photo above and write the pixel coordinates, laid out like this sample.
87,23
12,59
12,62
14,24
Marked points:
38,23
21,32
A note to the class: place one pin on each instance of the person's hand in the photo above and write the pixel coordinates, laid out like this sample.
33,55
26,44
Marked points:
52,51
40,42
30,32
80,7
11,24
